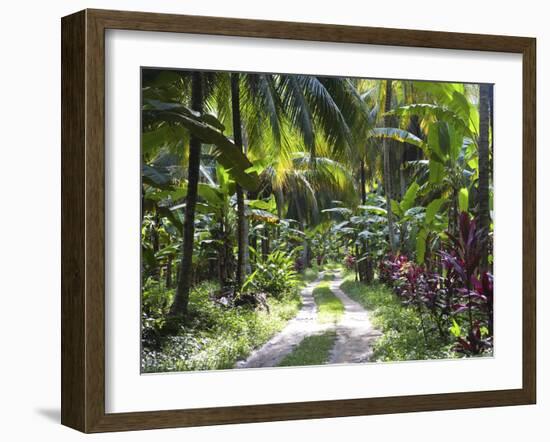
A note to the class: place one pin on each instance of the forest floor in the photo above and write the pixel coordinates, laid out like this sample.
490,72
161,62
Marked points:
355,333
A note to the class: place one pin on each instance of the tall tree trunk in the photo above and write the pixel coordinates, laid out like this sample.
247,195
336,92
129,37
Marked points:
402,178
224,256
387,168
169,273
364,274
241,219
155,243
181,298
265,242
363,182
483,152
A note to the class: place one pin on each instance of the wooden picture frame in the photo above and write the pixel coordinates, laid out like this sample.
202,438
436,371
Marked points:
83,216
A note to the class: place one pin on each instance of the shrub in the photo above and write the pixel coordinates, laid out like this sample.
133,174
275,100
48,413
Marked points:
274,275
459,299
214,336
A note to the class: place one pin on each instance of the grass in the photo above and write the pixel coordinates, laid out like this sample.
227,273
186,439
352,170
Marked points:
402,337
327,276
310,274
313,350
214,336
329,306
333,266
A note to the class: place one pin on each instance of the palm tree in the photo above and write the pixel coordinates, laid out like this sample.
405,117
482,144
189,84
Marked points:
483,152
386,147
241,219
181,298
280,111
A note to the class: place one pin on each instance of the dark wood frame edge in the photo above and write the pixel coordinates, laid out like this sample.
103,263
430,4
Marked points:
83,236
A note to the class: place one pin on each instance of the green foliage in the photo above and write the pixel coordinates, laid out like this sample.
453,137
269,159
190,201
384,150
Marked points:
310,274
410,196
313,350
274,275
315,200
402,338
207,129
215,336
463,199
329,306
398,135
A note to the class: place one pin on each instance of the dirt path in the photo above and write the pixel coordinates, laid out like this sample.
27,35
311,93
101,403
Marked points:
304,324
355,333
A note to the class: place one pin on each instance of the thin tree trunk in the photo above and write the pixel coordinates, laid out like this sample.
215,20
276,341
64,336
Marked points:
155,242
265,242
224,256
241,219
387,168
402,179
363,182
181,298
169,273
366,263
483,146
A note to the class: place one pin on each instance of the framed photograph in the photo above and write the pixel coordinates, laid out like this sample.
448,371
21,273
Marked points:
267,221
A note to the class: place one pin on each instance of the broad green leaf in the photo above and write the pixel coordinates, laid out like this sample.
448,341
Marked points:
365,234
262,216
199,207
433,112
410,196
155,176
213,121
463,199
226,153
269,205
461,106
211,194
439,139
432,209
396,209
340,226
421,245
456,143
400,135
174,194
374,209
437,171
344,211
455,329
161,136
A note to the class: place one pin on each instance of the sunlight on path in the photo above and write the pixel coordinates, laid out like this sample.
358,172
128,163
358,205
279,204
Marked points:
356,334
304,324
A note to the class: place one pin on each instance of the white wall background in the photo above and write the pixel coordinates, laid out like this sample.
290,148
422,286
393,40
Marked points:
30,217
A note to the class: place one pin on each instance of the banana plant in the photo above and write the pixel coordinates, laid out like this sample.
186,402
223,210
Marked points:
450,145
363,232
208,129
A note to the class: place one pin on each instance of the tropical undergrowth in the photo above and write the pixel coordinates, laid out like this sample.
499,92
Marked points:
402,336
444,309
213,335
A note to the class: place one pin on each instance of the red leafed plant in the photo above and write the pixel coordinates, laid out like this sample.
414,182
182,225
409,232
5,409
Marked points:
458,298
